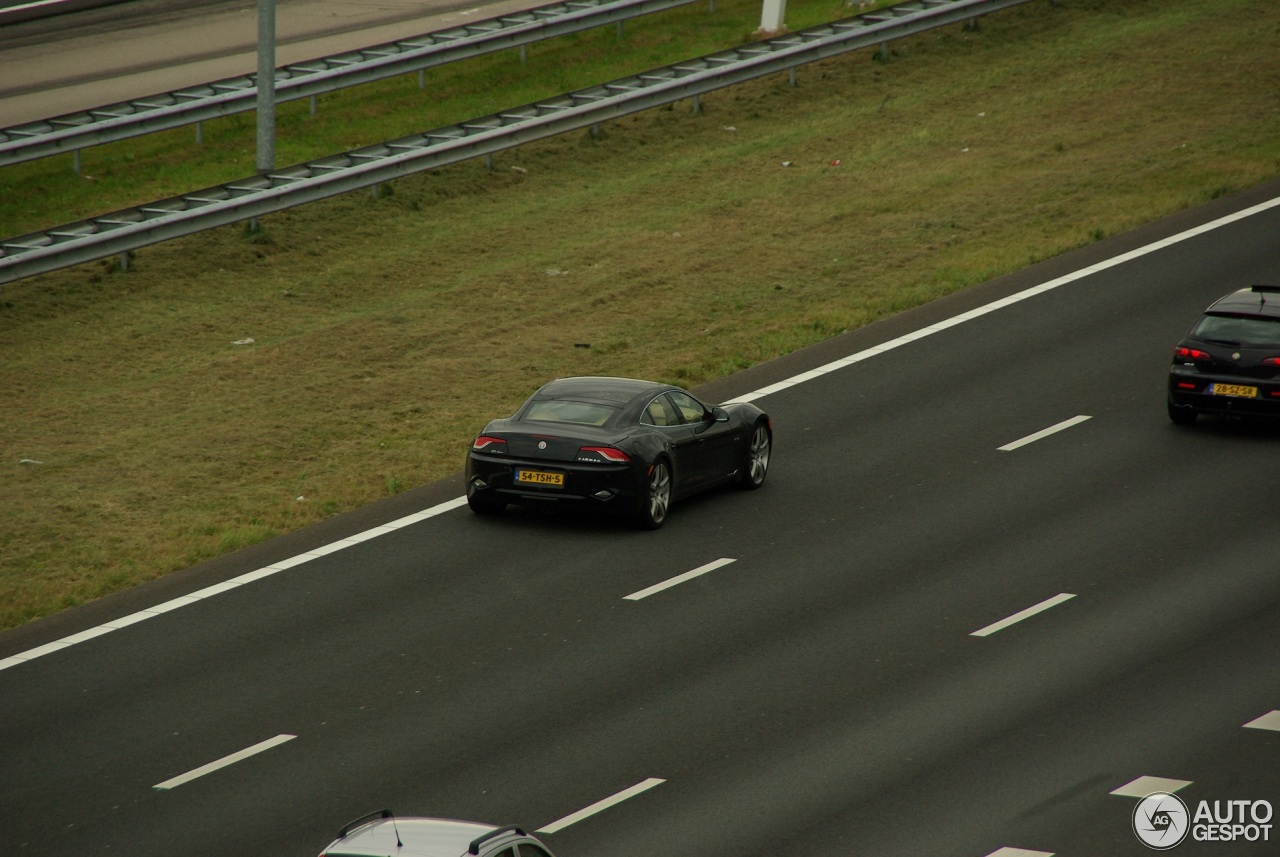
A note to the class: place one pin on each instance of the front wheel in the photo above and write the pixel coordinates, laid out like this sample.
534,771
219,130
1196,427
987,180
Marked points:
755,467
657,497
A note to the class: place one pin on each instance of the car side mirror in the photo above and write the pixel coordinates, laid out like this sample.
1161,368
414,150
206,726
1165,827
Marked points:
720,415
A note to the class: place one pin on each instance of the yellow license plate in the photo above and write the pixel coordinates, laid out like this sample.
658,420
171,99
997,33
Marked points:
539,477
1235,390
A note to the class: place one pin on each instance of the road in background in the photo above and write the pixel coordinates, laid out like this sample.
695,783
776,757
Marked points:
97,57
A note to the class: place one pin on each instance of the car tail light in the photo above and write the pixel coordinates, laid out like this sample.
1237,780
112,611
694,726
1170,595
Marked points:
1188,385
609,454
1271,361
489,444
1184,353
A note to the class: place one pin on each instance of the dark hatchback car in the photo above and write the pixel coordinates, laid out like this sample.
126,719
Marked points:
1229,361
633,446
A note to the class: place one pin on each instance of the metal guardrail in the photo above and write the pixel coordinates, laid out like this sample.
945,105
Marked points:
258,195
109,123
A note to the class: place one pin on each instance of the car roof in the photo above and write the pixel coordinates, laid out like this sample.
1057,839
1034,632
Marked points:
1256,300
420,837
617,391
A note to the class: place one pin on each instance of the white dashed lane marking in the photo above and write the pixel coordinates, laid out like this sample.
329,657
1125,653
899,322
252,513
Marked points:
1270,720
1043,433
1023,614
601,805
1143,786
677,580
223,762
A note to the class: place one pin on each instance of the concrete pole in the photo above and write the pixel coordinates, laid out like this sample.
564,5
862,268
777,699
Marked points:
266,85
773,17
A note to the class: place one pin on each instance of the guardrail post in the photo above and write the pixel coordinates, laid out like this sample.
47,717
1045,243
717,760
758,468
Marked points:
266,85
75,162
199,133
422,78
124,261
697,105
315,104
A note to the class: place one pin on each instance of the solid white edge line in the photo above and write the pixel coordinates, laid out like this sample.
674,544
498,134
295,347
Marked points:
223,762
24,657
1023,614
1030,292
1043,433
600,805
218,588
677,580
35,5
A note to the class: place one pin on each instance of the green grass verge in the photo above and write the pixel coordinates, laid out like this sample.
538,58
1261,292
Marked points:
673,246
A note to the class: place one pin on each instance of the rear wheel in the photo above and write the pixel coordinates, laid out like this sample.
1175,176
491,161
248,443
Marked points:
1181,415
657,497
755,467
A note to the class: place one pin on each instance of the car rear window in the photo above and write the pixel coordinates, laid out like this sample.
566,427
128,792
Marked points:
1239,330
578,413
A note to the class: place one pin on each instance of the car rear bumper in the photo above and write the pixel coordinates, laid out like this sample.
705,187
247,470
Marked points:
594,484
1194,391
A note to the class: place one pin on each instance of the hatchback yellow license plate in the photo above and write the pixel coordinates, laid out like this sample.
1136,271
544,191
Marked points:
1235,390
539,477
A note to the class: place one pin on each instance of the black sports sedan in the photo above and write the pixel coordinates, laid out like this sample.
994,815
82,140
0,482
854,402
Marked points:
1229,361
634,446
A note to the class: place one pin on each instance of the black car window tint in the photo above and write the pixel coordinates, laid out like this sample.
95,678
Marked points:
660,413
691,410
559,411
1240,330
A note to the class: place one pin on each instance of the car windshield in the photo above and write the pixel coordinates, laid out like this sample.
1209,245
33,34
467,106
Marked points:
562,411
1244,330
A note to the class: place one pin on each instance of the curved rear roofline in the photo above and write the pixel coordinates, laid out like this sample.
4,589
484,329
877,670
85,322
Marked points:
615,391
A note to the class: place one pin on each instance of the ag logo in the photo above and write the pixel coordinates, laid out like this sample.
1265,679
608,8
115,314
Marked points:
1161,820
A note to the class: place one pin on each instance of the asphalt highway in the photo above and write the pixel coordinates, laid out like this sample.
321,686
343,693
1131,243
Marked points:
987,590
852,682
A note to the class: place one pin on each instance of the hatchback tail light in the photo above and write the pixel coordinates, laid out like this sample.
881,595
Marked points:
1184,353
489,444
608,454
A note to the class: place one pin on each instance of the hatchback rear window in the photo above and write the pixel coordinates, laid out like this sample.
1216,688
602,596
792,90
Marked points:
561,411
1248,331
